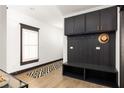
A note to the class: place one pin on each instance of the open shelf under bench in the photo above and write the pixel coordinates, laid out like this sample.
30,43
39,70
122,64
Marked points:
95,74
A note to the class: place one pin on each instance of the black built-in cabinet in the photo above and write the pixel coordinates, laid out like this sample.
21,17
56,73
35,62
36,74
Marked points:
84,49
104,20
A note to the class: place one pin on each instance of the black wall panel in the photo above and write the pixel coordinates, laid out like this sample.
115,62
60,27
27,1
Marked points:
77,55
84,50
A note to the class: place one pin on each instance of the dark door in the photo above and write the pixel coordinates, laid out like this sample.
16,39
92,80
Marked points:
92,22
69,26
77,50
79,24
108,19
122,50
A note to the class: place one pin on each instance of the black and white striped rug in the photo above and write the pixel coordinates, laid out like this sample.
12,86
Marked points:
44,70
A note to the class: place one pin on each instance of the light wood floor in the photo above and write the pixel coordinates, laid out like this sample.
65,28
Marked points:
55,79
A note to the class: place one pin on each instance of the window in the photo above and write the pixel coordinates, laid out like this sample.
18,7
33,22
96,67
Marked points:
29,44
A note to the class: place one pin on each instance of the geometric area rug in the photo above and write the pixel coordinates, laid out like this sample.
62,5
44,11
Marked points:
44,70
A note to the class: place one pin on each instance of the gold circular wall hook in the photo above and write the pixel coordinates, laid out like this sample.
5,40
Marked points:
103,38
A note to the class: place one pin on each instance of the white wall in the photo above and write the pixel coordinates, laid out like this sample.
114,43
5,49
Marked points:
50,46
3,37
65,53
118,45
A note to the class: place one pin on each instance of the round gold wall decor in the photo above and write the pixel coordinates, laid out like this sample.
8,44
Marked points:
103,38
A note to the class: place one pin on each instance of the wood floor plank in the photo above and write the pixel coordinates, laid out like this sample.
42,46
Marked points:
55,79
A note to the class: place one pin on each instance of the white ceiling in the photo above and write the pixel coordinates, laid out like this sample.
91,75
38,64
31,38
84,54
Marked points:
70,9
53,15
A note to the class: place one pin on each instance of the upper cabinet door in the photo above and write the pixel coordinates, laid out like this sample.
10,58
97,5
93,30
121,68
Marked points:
79,24
92,22
75,25
69,26
108,19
